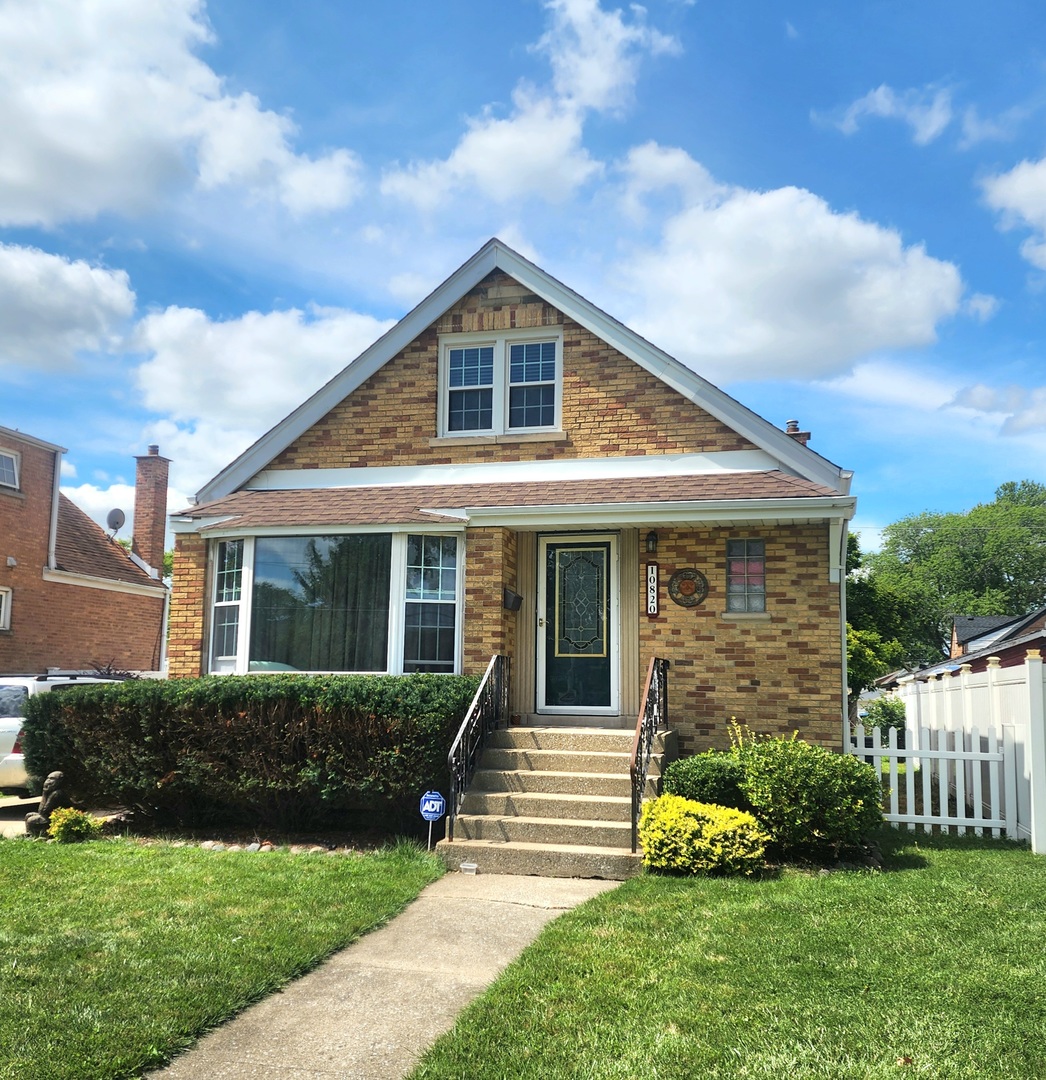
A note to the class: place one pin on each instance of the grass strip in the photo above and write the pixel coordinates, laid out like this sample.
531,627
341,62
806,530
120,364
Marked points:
114,956
933,968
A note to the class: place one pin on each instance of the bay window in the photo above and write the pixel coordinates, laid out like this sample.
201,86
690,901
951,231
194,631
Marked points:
359,602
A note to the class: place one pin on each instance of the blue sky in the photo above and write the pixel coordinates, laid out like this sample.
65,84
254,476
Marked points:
837,212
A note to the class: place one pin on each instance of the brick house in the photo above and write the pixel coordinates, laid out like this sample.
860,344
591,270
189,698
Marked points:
71,597
511,470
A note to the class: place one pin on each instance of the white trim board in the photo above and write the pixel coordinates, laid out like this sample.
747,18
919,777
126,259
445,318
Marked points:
495,255
507,472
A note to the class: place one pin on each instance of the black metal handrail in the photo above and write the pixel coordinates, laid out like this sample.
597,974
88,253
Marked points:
653,715
488,709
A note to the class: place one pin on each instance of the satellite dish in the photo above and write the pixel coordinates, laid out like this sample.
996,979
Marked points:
115,520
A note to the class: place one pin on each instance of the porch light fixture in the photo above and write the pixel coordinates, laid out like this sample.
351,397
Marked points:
651,542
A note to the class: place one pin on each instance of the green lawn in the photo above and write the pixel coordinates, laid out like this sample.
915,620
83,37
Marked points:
934,968
113,956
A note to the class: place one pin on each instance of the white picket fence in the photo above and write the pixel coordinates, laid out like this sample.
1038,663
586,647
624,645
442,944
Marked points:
974,753
952,780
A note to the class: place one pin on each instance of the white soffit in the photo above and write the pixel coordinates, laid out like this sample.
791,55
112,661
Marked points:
507,472
495,255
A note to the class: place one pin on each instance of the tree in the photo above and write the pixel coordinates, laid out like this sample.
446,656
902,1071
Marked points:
990,560
876,629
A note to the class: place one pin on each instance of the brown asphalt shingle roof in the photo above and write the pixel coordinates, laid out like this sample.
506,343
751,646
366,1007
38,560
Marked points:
396,505
81,547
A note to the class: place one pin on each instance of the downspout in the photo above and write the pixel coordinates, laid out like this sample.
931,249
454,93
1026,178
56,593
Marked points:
52,536
842,635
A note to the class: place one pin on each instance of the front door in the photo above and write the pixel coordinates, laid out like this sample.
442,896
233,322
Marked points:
577,625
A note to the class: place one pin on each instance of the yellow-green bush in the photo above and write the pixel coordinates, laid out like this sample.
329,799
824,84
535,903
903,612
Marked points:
68,825
688,837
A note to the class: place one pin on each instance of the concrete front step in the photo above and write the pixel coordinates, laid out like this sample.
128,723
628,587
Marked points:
561,783
538,804
551,738
574,761
543,860
542,830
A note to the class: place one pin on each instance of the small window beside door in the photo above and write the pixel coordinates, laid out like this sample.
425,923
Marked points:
745,575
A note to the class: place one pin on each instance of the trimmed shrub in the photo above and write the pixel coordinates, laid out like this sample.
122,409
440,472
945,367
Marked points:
808,798
286,751
712,777
69,826
686,837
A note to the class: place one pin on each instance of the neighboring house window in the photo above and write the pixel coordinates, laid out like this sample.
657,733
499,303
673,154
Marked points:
746,575
8,469
361,602
5,609
501,384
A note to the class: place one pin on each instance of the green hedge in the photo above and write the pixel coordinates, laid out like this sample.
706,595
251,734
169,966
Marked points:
283,751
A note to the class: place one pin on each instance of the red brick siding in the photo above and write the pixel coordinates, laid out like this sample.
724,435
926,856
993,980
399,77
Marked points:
55,624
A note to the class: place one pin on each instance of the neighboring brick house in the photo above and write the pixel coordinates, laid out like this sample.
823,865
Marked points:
71,597
511,470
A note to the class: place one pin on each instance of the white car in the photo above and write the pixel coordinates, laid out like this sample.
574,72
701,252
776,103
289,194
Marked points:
15,691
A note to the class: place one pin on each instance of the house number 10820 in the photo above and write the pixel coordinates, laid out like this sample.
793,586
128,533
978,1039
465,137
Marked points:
651,589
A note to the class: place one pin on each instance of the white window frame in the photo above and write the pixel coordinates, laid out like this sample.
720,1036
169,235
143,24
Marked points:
500,340
5,607
397,600
16,463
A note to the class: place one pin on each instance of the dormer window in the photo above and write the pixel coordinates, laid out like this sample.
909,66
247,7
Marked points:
8,469
502,383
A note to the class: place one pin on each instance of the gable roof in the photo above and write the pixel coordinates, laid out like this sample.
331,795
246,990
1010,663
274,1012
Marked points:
496,255
82,547
968,627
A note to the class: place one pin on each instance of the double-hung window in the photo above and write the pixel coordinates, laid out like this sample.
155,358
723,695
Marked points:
5,608
745,575
8,469
354,602
501,384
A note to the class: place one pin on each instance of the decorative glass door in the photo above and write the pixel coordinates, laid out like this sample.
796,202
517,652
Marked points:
577,606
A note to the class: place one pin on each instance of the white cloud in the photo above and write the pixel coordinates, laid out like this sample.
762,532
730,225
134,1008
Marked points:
651,168
537,149
107,108
1018,410
1020,197
776,284
220,385
52,308
981,306
595,54
884,382
927,111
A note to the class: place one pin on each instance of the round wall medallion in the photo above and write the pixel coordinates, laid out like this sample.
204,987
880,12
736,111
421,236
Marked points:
688,587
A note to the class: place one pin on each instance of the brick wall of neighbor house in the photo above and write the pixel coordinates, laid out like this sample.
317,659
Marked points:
54,624
123,630
187,620
778,675
611,406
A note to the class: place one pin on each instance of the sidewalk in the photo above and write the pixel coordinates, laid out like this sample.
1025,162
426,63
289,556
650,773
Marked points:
372,1009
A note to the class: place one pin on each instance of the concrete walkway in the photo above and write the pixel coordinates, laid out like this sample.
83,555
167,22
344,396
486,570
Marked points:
376,1006
12,815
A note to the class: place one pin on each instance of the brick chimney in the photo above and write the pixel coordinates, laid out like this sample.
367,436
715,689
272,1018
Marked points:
150,508
792,429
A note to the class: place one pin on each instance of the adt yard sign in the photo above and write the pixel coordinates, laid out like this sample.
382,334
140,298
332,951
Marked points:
433,806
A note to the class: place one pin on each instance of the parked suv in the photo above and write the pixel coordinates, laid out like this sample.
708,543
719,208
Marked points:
15,691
